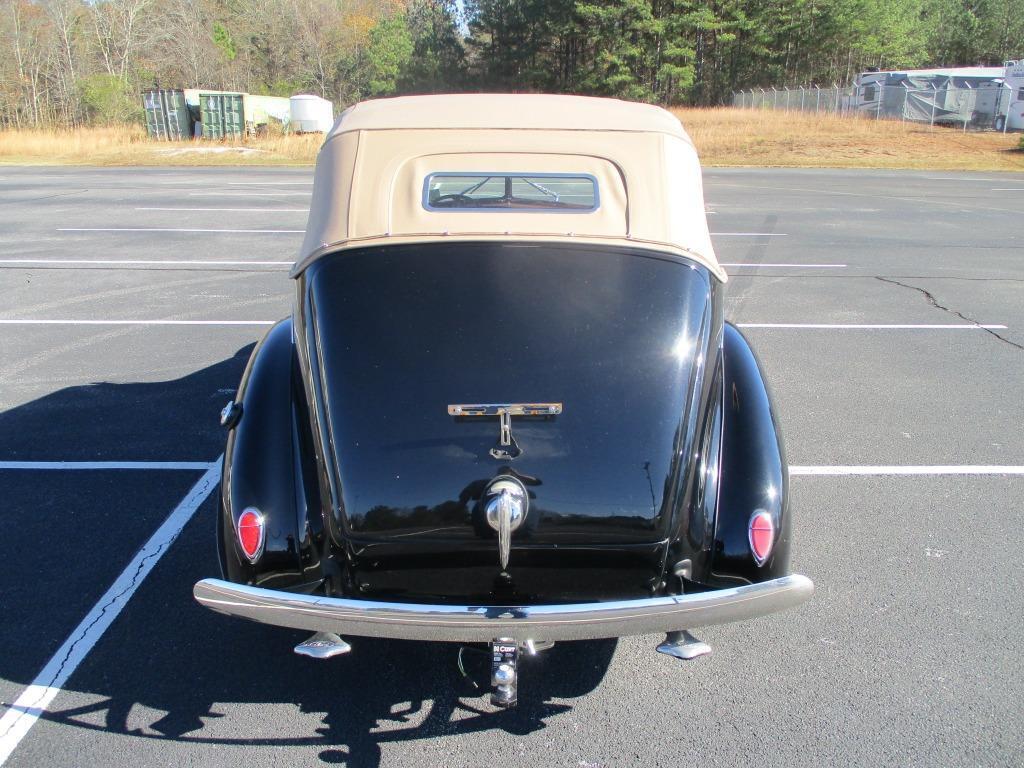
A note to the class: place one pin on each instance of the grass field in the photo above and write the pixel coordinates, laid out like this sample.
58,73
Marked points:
724,137
129,145
794,139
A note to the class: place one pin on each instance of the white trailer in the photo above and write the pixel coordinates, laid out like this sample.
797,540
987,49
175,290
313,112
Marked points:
955,95
1011,116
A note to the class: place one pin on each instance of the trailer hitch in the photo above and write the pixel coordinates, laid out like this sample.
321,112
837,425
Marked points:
504,655
505,672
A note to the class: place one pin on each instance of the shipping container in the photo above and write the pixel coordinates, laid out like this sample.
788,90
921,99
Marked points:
230,114
167,114
223,115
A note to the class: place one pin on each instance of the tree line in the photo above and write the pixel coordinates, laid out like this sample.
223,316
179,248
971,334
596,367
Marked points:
74,62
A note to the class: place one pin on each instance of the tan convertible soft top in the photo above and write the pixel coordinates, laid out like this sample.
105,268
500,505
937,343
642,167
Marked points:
370,174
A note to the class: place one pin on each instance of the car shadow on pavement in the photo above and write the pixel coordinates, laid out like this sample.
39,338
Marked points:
68,533
174,420
198,688
452,706
170,671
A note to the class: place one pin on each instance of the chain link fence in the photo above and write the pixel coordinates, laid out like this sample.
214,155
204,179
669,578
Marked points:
981,108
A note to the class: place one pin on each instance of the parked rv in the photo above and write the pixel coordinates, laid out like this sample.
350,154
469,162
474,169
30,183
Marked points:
956,95
1013,117
983,97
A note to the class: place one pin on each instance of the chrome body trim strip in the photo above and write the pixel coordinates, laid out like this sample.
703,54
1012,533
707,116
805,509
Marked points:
505,409
506,449
466,623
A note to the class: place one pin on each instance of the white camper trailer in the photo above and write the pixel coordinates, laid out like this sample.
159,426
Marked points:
1012,115
954,95
985,97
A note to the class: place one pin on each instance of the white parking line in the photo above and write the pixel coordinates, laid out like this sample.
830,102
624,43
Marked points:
148,262
825,470
178,229
956,178
37,697
301,231
148,465
235,210
268,183
794,266
226,193
875,327
201,262
810,326
936,469
875,197
1008,189
136,322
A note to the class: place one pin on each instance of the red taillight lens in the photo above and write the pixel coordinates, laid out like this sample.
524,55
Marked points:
250,533
762,535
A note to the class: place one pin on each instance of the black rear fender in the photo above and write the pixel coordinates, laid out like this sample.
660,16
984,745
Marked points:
753,473
262,469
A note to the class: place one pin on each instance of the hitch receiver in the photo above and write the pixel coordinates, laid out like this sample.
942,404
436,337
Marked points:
504,672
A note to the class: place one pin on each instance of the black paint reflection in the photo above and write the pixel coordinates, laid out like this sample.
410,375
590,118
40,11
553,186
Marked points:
407,330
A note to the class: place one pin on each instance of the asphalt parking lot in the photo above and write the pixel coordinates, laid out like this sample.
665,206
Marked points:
887,309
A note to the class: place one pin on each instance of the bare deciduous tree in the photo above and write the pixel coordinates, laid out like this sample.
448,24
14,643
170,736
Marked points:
118,27
66,18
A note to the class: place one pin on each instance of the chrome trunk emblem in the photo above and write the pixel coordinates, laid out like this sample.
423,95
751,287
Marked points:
506,449
506,503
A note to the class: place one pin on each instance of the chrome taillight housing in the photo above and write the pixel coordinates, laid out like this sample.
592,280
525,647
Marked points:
251,534
762,535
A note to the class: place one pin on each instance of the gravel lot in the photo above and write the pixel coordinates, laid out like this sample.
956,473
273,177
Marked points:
129,301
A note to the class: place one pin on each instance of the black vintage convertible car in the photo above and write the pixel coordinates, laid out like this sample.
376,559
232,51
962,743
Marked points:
507,408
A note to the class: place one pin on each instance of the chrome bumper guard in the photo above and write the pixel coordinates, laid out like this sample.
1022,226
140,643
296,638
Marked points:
468,624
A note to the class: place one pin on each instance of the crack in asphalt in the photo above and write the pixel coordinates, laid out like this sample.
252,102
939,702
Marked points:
934,302
85,630
152,550
44,197
966,279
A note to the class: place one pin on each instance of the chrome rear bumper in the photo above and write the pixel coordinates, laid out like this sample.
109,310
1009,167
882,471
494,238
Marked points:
466,623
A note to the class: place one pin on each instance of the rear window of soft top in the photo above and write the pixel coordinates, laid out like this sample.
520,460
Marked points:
521,192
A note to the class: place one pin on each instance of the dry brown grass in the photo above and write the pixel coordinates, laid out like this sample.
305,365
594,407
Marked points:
129,145
771,138
723,136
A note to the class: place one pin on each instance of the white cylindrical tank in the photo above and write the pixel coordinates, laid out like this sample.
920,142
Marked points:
311,114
